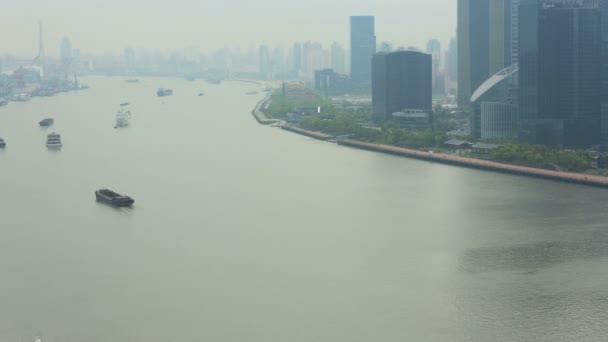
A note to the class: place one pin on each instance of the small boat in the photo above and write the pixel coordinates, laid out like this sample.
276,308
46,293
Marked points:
2,143
213,81
53,141
38,339
47,122
190,78
3,102
201,94
164,92
252,92
123,116
113,198
133,80
20,97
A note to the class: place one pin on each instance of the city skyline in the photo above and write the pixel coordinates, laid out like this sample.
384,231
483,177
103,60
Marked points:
189,24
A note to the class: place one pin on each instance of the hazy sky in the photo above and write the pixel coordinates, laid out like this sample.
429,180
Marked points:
108,26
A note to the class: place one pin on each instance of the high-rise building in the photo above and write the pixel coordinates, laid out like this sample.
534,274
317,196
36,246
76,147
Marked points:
297,58
338,58
604,101
362,48
402,81
452,64
129,55
433,48
503,34
560,59
264,60
66,48
473,47
495,107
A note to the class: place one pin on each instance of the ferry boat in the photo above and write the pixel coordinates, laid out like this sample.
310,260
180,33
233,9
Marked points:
2,143
47,122
123,116
113,198
164,92
20,97
53,141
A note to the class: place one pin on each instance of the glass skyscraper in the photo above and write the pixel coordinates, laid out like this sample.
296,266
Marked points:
473,47
363,47
401,81
559,74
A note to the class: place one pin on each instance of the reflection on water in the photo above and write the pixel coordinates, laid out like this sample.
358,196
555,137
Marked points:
532,257
242,232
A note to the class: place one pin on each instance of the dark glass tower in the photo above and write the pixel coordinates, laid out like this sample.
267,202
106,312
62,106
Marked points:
560,79
297,59
473,47
401,80
604,105
363,47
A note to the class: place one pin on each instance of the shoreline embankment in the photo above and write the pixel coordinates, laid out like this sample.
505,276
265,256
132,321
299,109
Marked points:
480,164
567,177
259,116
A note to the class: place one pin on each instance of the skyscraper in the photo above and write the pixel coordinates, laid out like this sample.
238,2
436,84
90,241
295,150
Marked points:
560,81
297,59
338,58
363,47
66,48
264,60
604,100
473,47
503,34
401,81
452,60
433,48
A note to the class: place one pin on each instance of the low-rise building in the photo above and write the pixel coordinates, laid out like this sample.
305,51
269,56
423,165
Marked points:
455,144
485,148
413,118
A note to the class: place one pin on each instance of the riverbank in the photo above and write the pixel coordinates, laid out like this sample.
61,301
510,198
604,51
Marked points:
568,177
480,164
259,116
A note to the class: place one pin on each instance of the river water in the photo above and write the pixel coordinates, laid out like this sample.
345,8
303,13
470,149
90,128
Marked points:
243,232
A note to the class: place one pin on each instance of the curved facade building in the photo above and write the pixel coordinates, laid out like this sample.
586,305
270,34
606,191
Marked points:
498,121
494,107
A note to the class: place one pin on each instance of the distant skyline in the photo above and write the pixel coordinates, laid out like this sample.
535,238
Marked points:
109,26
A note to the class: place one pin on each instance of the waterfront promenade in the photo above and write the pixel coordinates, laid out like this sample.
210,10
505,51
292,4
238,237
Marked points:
568,177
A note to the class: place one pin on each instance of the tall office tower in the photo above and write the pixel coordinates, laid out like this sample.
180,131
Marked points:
452,60
129,55
297,59
473,47
278,59
264,60
338,58
433,48
560,79
402,81
66,48
362,48
604,101
513,22
451,67
503,34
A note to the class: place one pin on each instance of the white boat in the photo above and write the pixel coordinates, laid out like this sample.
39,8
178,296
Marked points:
123,116
53,141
